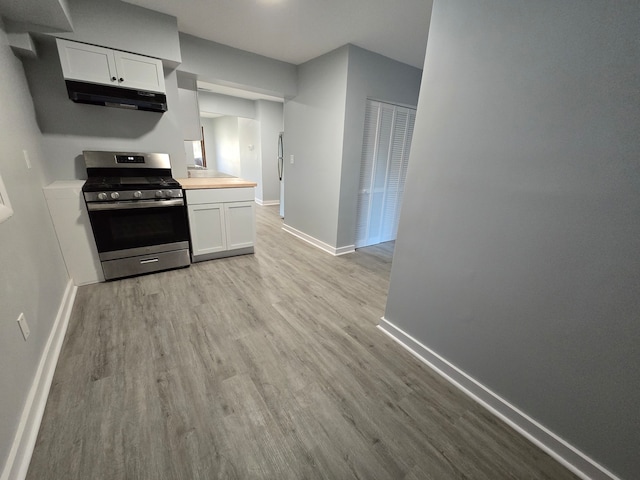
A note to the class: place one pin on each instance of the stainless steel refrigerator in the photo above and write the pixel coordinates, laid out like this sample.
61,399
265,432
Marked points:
281,171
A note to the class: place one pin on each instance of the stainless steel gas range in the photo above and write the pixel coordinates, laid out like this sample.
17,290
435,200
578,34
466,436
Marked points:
137,212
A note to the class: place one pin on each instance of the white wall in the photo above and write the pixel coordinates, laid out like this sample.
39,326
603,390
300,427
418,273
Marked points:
32,273
259,164
210,102
517,253
224,138
270,118
249,149
314,130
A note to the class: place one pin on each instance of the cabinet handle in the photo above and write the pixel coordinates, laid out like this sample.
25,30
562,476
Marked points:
121,79
113,79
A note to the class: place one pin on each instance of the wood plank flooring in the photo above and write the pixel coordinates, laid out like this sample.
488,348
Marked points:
266,366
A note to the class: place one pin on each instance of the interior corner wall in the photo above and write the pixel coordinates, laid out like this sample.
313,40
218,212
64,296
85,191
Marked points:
517,252
314,129
33,276
68,128
270,118
374,76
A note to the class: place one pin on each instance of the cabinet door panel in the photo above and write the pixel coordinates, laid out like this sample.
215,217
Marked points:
139,72
240,223
87,63
207,225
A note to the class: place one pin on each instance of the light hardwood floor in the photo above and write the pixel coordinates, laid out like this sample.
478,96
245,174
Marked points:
266,366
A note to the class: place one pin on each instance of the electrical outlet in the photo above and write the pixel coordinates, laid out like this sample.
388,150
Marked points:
26,158
291,159
23,326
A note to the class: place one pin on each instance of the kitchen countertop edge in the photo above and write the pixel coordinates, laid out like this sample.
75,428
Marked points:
212,182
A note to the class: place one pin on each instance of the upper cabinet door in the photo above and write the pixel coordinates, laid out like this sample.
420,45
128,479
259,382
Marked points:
138,72
87,63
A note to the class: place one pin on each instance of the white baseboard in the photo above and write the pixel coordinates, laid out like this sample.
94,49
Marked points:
344,250
25,438
556,447
319,243
266,203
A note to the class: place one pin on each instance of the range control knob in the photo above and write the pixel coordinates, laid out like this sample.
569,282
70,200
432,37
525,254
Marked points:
168,193
115,195
137,194
159,194
102,196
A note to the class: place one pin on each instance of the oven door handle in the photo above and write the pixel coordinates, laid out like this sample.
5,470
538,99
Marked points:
175,202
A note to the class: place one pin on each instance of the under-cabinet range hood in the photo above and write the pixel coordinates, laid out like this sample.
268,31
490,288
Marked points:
82,92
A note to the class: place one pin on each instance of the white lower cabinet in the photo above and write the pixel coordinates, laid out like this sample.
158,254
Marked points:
239,221
207,226
221,222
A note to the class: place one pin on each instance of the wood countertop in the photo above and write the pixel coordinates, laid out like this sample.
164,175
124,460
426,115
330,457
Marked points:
214,182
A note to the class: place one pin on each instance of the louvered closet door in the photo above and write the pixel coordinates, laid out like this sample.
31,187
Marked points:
385,154
366,171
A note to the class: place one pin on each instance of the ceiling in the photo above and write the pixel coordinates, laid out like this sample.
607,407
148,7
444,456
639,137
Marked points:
295,31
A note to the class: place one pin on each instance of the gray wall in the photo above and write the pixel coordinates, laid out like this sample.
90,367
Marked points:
122,26
324,128
52,13
217,63
314,129
70,128
517,253
270,116
32,273
369,76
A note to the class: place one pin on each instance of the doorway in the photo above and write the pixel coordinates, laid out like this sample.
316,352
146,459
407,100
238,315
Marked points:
385,156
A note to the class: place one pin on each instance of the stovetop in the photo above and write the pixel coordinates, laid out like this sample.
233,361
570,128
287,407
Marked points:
109,184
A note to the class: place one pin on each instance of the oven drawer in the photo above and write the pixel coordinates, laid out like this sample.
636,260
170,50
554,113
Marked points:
126,267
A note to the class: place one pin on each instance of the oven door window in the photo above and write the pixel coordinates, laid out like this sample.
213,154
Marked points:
140,227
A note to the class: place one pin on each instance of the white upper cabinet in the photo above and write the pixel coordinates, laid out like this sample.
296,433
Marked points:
89,63
136,71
